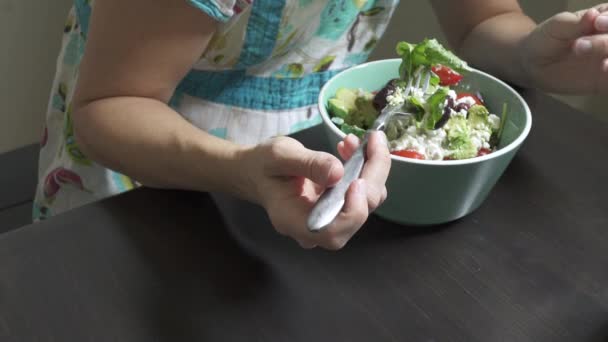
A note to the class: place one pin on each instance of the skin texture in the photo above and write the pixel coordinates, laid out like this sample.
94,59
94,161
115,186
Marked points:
122,120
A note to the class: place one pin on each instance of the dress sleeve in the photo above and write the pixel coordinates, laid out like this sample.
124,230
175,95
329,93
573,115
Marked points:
221,10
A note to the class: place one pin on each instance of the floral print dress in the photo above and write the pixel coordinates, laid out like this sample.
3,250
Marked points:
258,78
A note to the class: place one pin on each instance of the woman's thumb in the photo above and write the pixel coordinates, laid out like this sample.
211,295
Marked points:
290,158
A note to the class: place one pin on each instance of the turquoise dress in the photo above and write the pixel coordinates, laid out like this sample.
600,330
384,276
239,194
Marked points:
259,77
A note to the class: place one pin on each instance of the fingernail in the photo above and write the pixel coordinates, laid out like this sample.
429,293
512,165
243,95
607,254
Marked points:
601,23
361,189
383,137
582,46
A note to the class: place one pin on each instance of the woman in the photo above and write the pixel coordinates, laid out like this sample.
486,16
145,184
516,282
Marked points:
193,94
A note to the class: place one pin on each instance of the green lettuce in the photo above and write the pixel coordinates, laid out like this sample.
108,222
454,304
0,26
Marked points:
459,139
435,108
346,128
478,114
426,54
497,136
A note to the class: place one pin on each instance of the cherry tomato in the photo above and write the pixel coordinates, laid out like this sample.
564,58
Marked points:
447,76
475,97
409,154
483,152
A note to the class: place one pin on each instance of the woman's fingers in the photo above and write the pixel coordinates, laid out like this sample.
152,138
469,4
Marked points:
567,26
592,46
289,158
349,221
347,147
376,169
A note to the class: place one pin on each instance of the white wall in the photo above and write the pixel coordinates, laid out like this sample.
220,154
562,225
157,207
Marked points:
30,32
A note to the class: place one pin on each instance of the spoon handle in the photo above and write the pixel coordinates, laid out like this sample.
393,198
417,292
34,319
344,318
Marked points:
331,201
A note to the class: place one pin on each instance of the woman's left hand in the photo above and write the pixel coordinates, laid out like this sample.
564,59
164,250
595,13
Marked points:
568,53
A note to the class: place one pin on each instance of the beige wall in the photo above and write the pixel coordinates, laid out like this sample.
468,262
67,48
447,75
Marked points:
30,32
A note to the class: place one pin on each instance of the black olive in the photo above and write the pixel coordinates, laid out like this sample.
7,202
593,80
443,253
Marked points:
447,113
380,97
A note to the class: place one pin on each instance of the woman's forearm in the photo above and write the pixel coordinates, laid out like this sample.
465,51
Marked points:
147,140
494,45
487,33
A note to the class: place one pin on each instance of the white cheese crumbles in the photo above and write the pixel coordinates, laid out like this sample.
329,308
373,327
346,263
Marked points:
481,133
427,143
467,100
396,97
432,144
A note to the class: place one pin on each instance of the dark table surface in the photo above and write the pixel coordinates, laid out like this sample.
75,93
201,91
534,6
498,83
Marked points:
530,265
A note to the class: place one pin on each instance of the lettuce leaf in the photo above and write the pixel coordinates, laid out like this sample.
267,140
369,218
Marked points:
435,108
496,137
435,54
426,54
346,128
404,50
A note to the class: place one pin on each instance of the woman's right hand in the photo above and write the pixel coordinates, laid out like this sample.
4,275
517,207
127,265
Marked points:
287,179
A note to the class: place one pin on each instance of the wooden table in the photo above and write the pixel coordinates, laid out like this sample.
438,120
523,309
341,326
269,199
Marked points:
530,265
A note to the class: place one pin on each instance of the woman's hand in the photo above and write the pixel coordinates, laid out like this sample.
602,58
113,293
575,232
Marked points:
288,179
568,53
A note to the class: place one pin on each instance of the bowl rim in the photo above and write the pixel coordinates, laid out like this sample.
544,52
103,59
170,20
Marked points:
505,150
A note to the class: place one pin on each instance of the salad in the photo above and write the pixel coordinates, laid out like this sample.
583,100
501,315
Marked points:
445,123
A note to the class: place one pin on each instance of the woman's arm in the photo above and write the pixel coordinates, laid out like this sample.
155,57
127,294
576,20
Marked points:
567,53
487,33
137,52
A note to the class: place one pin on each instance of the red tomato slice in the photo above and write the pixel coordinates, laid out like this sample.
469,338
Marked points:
475,97
447,76
408,154
483,152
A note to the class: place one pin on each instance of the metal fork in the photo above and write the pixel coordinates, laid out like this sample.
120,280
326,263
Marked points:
331,201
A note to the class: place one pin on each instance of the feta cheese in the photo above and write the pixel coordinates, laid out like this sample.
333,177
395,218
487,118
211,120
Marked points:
481,137
418,93
427,143
396,98
467,100
494,121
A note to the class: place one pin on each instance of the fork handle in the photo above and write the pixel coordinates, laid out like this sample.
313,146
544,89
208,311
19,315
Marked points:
331,201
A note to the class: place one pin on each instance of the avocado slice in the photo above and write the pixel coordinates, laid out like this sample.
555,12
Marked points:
367,112
338,108
343,103
348,96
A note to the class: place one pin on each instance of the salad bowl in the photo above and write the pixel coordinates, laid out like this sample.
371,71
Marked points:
430,192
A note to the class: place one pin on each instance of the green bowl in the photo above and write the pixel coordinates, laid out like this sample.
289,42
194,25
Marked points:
423,192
